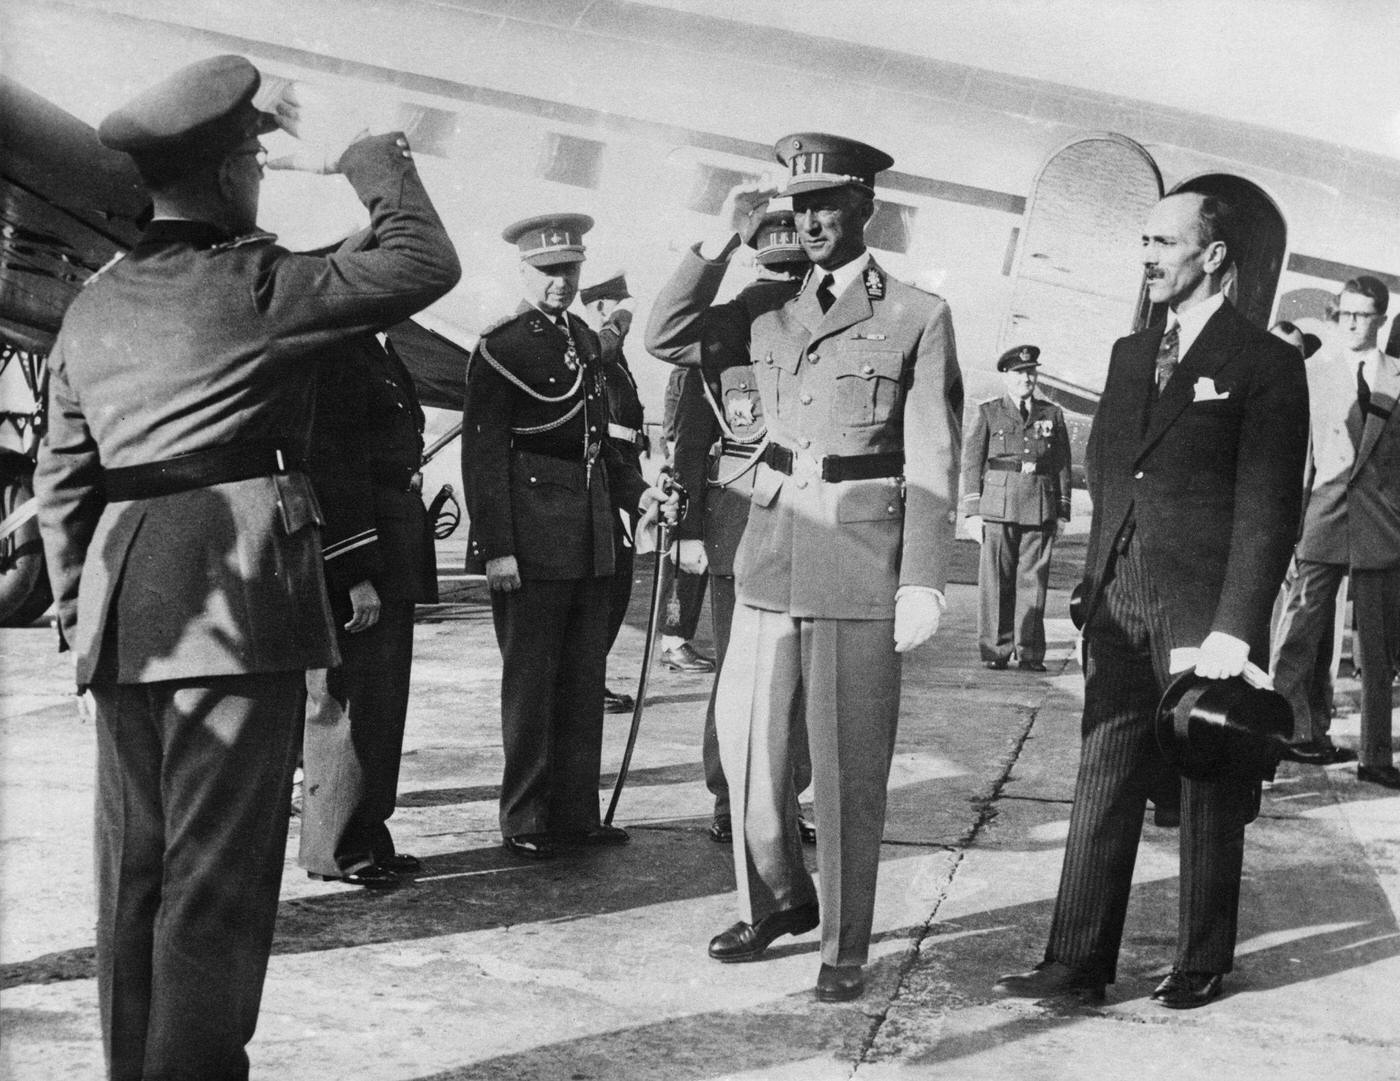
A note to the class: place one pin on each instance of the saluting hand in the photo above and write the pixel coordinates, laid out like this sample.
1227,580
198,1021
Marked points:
364,607
503,573
323,127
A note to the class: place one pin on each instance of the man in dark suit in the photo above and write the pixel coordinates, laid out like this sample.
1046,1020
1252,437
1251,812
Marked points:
364,459
1016,488
543,487
1351,525
183,544
1193,464
843,560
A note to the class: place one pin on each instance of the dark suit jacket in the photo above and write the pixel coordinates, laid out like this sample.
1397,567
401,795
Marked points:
1211,485
190,342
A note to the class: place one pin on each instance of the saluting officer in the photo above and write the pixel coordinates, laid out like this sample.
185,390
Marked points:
610,303
543,485
183,544
720,432
366,452
1016,489
844,558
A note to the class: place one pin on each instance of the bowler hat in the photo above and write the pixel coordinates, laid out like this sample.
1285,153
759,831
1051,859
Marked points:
816,160
1020,358
547,239
1214,728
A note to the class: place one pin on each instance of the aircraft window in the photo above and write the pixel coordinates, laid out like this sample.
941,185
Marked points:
567,159
431,131
712,184
889,229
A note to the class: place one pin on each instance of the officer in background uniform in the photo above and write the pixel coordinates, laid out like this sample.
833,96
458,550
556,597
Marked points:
183,542
1016,488
720,433
366,450
844,558
543,486
609,303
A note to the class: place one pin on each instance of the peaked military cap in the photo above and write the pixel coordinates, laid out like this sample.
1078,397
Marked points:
547,239
1021,358
816,161
614,288
199,113
776,239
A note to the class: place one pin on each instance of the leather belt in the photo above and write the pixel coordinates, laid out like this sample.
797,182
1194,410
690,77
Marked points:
627,435
837,467
198,469
998,465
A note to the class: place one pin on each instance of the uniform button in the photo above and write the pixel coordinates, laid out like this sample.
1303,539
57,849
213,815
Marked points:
743,386
551,379
802,484
804,443
890,508
401,141
867,369
533,480
1137,476
814,356
593,427
806,399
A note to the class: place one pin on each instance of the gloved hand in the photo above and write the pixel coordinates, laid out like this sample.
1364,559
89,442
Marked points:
917,613
1222,656
503,573
322,125
973,524
691,556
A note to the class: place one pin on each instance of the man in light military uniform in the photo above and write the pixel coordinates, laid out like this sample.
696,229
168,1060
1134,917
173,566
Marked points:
1016,485
844,558
543,486
720,432
183,542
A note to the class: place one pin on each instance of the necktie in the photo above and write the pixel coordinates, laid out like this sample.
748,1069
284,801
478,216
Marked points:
1167,355
825,297
1363,389
1025,412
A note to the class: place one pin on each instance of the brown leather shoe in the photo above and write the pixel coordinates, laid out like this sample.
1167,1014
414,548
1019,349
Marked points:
1187,990
747,941
840,983
1050,979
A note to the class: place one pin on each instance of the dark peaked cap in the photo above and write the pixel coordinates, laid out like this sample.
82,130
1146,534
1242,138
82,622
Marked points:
1020,358
816,161
200,113
547,239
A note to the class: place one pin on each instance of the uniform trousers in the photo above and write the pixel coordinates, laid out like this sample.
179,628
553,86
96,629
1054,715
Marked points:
553,640
685,596
1307,616
722,618
192,783
1129,641
355,716
620,597
844,674
1013,577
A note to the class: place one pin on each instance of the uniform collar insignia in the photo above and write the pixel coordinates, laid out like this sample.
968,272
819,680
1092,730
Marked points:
257,237
874,282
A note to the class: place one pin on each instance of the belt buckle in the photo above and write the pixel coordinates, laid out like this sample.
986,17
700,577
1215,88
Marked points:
1027,467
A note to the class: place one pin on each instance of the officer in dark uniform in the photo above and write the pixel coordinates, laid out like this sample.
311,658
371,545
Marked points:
608,301
543,486
1016,487
720,433
366,450
182,539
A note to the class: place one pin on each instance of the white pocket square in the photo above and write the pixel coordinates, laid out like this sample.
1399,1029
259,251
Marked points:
1206,391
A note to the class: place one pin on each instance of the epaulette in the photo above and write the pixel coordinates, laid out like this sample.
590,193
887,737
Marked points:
497,324
108,265
257,237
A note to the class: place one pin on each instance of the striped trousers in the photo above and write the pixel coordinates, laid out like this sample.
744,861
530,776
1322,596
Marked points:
1129,641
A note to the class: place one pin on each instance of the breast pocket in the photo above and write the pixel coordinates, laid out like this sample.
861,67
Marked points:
868,387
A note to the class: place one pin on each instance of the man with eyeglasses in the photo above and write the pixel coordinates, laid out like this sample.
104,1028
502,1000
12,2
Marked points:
184,547
1351,525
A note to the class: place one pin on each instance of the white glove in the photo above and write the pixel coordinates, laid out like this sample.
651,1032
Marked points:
1222,656
917,613
691,557
973,524
321,124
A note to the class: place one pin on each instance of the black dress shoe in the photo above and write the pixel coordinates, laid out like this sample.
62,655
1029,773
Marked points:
1386,776
373,877
531,846
997,665
1312,753
685,658
617,703
1030,666
402,863
807,830
722,829
597,836
747,941
1049,979
1187,990
840,983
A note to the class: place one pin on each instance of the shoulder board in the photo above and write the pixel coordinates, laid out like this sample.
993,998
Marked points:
989,401
108,265
244,240
497,324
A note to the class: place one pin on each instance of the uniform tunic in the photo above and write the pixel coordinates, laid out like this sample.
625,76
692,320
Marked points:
1016,476
543,484
626,432
193,615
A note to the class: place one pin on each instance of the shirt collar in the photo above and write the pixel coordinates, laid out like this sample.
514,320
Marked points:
846,273
1193,320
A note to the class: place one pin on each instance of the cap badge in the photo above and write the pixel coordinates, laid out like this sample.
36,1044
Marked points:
1026,356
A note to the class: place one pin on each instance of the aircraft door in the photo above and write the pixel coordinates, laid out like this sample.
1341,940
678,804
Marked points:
1079,271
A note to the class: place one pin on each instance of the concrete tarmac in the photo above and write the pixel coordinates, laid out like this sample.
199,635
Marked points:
594,966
